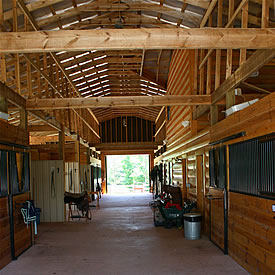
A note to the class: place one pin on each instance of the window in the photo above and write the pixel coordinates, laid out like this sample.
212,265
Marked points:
252,166
217,167
19,172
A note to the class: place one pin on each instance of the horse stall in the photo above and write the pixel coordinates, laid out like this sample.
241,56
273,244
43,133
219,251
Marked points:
77,177
72,183
48,189
15,236
85,177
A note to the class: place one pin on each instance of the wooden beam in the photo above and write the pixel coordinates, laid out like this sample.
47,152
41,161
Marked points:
35,26
128,145
265,13
12,96
23,119
228,25
118,101
208,13
41,128
3,104
61,141
115,39
253,63
159,114
142,62
58,92
255,88
47,119
32,7
244,25
2,56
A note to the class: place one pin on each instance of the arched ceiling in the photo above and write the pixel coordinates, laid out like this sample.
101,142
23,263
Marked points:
109,73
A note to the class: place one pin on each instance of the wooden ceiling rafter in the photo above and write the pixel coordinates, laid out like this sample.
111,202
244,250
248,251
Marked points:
26,12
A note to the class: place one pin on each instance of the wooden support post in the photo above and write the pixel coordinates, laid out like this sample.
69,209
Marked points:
24,119
200,183
103,176
202,77
2,56
61,143
244,25
3,104
218,52
88,153
230,95
229,51
265,13
209,65
184,189
214,115
230,99
17,64
77,149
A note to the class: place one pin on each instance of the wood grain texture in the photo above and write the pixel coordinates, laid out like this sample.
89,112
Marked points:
13,134
5,252
252,233
113,39
22,233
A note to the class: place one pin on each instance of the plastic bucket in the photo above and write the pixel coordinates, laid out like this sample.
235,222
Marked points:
192,226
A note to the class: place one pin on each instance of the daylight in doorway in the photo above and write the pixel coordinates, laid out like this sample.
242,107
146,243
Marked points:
128,174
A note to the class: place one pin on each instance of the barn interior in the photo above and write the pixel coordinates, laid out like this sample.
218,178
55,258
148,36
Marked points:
188,82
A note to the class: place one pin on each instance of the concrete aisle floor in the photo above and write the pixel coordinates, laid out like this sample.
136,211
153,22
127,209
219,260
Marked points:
121,239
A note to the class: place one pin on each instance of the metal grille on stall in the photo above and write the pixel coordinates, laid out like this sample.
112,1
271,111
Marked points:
191,177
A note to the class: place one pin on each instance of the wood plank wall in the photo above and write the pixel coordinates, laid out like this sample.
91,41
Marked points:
191,177
127,129
252,233
13,134
161,126
179,83
49,198
50,152
206,187
177,173
22,233
5,248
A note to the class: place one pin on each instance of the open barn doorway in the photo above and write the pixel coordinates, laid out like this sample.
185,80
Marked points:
128,174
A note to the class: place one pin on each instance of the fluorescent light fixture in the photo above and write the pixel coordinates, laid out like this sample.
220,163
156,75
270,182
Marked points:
185,123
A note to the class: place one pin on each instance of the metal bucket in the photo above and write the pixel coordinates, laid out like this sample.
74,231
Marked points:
192,226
